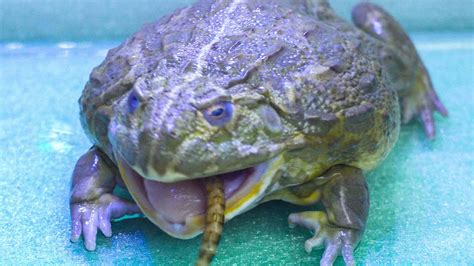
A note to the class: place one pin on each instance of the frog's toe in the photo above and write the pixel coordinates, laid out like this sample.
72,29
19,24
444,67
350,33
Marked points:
426,116
316,242
310,220
105,227
76,224
329,255
336,241
89,225
348,254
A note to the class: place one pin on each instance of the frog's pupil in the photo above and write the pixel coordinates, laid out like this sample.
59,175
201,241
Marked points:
217,112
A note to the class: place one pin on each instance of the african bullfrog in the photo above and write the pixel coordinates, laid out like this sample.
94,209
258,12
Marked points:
227,104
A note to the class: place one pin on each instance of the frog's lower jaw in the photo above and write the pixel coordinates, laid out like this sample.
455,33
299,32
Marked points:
178,208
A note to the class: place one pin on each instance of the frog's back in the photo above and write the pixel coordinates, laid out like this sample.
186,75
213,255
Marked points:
320,73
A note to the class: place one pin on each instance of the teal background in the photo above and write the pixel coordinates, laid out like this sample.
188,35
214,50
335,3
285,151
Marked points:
92,20
421,196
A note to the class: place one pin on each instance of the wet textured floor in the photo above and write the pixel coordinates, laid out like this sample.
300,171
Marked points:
421,196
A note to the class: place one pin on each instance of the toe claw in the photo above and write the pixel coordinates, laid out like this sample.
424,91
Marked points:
90,245
440,108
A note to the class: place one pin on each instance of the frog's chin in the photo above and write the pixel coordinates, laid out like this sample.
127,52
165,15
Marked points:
178,208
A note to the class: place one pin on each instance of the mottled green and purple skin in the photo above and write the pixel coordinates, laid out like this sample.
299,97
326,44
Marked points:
297,97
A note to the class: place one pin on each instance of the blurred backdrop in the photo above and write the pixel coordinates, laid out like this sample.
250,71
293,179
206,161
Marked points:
86,20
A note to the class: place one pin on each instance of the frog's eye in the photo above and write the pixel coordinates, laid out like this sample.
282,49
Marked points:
219,114
133,102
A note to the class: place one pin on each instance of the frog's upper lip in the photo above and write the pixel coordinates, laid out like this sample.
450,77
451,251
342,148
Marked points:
178,208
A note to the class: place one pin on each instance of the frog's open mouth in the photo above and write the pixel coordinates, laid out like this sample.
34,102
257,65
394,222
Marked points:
178,208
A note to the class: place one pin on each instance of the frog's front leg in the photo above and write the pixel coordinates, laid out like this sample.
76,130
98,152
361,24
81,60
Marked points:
340,226
92,203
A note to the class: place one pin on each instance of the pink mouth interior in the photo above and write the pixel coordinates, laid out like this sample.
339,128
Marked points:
176,201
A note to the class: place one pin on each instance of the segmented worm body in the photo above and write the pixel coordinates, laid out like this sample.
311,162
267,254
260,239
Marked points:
214,221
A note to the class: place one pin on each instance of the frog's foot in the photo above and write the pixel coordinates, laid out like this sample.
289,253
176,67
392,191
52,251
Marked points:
422,101
336,240
89,216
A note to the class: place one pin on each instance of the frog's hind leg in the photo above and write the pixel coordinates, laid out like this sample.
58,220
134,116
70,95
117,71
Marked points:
403,65
339,227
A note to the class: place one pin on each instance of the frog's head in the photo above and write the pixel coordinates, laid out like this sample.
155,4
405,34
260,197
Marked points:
171,134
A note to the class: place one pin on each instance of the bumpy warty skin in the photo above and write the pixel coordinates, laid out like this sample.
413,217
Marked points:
304,84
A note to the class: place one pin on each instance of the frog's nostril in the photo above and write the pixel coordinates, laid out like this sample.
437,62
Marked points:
173,133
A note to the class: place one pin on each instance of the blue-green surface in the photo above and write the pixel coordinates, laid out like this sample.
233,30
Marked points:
421,196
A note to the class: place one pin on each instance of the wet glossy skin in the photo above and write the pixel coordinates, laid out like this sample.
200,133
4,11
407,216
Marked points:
293,80
226,85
